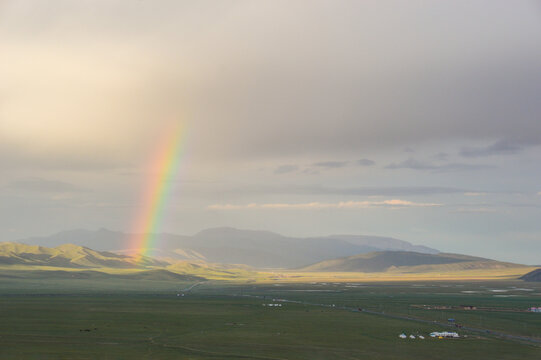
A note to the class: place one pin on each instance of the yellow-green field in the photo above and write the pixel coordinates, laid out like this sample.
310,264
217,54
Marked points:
478,274
238,274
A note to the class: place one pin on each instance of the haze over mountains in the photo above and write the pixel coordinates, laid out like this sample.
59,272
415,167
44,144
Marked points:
228,253
74,261
78,262
261,249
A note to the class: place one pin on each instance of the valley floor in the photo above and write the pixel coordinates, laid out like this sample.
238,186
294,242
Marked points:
226,321
398,274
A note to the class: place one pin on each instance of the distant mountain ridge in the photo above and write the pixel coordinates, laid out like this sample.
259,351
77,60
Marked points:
78,262
74,261
261,249
411,262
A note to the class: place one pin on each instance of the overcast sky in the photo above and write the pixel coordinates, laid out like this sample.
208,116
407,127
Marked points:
419,120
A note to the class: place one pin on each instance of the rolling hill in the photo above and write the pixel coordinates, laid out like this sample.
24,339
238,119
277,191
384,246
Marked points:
69,256
532,276
20,261
155,275
262,249
405,261
76,262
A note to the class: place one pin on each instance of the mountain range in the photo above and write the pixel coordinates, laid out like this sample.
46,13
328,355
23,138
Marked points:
74,261
261,249
228,253
69,261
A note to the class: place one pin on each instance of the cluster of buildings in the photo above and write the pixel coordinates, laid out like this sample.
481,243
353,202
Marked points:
435,334
404,336
279,305
535,309
444,334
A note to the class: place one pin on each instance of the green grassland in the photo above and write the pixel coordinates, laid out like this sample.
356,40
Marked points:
143,319
501,304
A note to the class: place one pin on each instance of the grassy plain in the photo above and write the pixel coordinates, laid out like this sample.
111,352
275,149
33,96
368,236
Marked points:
143,319
500,305
241,273
394,275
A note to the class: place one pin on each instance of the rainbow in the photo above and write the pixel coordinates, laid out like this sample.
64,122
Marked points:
163,169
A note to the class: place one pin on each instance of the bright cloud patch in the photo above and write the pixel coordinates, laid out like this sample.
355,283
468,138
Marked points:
394,203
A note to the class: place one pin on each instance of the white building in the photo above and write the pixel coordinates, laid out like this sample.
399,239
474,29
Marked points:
445,334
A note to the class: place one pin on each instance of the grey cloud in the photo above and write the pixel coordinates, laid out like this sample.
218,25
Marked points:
502,205
411,164
13,156
311,171
386,191
284,169
335,81
40,185
395,203
365,162
479,210
331,164
461,167
418,165
501,147
341,164
441,156
478,118
350,191
340,103
521,204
